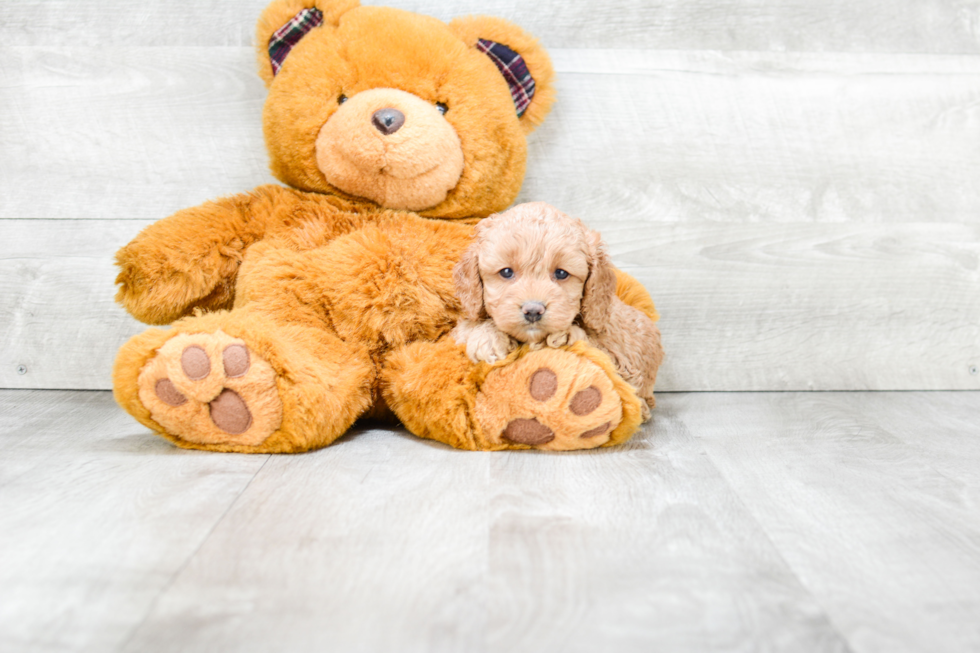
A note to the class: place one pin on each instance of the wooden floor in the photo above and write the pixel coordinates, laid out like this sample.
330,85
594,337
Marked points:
751,522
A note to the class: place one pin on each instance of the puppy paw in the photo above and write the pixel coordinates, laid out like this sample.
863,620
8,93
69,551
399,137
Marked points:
209,388
484,342
562,338
553,399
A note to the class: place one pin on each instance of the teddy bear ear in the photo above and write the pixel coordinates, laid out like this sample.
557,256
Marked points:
285,22
522,61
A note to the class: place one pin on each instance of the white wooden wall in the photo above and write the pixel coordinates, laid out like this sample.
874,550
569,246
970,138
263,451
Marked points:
797,183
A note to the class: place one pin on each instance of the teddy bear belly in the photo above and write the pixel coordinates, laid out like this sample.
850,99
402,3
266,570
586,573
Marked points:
384,285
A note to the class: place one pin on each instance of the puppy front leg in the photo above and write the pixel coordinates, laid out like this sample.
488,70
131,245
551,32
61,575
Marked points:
484,342
562,338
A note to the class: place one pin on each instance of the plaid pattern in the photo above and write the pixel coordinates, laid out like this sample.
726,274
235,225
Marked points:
287,36
514,70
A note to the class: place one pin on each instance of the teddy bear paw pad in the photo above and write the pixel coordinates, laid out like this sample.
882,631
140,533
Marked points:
209,388
550,399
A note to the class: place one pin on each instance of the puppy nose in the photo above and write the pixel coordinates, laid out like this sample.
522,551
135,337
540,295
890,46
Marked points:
533,311
388,121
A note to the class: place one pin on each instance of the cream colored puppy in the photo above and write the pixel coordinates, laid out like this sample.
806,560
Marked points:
535,275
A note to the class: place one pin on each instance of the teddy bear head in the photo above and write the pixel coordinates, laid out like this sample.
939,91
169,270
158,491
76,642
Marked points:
403,110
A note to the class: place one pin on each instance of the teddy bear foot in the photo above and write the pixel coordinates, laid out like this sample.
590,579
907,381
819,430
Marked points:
553,399
210,389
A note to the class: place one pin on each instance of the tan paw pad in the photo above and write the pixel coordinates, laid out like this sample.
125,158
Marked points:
236,361
230,413
597,431
195,363
168,394
209,388
585,401
544,384
528,431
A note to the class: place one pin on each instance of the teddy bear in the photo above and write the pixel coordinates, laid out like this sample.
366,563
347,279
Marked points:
296,310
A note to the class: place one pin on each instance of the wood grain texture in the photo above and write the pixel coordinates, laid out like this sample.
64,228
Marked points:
387,543
927,26
751,137
667,136
810,306
864,505
732,522
952,426
95,518
641,548
59,325
744,307
377,543
127,133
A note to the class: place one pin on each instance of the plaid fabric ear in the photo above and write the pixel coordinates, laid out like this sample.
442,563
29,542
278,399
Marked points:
514,70
287,36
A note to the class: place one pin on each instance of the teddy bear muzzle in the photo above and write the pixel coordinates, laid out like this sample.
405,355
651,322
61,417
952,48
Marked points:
391,147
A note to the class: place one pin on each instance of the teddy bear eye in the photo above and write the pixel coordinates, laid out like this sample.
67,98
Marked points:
341,99
560,274
506,273
442,108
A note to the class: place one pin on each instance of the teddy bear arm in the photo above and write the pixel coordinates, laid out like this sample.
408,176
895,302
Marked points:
632,292
190,259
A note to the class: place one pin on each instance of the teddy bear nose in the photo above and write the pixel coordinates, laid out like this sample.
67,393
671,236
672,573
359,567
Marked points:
388,121
532,311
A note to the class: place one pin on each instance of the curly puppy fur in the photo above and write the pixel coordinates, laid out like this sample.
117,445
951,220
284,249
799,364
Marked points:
535,275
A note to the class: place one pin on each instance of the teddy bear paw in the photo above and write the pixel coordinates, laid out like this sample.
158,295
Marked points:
209,388
549,399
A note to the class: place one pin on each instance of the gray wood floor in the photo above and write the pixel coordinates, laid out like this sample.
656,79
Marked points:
752,522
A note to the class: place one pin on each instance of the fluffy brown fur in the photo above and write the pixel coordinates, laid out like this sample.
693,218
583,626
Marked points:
535,275
339,299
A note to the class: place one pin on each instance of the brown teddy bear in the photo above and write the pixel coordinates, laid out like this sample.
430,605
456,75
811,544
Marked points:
300,309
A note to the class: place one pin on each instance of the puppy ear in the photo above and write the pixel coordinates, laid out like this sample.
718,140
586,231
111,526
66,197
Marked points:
600,287
469,285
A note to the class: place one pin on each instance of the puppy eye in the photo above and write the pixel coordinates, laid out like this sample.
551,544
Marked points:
560,274
442,108
341,99
506,273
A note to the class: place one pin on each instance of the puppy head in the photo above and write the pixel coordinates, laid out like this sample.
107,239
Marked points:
532,270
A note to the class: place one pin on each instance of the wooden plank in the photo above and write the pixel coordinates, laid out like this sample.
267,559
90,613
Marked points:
377,543
927,26
879,527
810,306
641,548
775,521
138,133
761,138
388,543
59,325
132,133
96,516
744,307
940,428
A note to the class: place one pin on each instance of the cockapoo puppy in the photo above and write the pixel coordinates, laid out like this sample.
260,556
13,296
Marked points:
535,275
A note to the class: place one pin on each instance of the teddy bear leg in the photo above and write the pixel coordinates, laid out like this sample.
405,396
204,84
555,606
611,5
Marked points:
240,381
551,399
